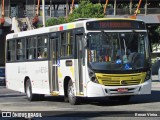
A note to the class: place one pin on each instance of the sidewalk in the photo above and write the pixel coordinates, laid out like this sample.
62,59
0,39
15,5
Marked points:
155,78
155,81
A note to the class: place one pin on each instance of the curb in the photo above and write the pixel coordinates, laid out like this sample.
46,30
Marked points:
156,84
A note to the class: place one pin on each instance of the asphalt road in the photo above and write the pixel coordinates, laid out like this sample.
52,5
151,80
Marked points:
144,106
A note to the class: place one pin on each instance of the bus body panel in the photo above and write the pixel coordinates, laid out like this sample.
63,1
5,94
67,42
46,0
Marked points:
38,75
15,77
63,72
37,72
68,71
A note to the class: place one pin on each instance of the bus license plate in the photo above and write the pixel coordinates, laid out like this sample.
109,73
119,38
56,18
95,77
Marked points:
122,90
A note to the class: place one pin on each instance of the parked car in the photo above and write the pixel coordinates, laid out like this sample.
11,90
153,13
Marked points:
2,76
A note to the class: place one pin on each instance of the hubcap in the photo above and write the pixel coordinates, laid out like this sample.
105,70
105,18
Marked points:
71,92
28,91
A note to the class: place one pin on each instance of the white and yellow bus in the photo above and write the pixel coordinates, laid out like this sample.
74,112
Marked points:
89,58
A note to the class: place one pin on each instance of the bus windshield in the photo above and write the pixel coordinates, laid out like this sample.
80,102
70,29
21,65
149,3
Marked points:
118,50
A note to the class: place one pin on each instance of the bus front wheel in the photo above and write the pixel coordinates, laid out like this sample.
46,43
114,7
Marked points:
73,100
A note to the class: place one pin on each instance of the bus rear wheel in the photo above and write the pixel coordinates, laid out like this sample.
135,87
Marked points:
73,100
29,94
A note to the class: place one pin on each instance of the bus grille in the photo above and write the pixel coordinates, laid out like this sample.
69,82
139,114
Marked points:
120,79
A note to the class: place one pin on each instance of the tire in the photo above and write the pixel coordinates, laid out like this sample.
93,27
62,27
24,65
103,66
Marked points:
30,95
73,100
66,99
66,93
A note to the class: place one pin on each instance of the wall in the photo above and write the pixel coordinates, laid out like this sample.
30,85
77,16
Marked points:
5,31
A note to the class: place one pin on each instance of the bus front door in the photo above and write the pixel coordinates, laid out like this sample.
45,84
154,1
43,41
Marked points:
80,56
54,64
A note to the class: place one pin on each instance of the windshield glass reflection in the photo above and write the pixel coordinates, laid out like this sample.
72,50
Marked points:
117,51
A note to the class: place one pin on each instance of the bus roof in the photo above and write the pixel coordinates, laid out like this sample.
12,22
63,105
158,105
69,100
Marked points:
60,27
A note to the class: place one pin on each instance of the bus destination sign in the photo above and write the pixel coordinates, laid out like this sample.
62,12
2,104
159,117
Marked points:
115,25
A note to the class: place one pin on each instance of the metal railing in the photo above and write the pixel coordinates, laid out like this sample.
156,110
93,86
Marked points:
109,11
124,11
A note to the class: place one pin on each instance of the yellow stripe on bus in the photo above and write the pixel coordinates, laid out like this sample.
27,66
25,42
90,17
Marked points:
59,73
72,71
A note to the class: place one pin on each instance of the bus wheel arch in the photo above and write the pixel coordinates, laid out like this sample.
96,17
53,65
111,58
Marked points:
73,99
28,89
69,95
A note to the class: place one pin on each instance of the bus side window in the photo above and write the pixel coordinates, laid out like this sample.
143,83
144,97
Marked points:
39,55
42,55
31,48
20,48
66,44
11,50
42,44
30,56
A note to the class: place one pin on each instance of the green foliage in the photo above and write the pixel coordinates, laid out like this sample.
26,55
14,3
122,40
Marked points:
51,21
85,9
154,34
158,30
61,20
39,25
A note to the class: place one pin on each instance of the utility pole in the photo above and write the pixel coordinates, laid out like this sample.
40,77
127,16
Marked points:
146,7
130,7
43,13
67,8
50,12
115,4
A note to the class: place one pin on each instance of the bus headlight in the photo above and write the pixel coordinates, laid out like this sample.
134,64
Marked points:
148,75
92,76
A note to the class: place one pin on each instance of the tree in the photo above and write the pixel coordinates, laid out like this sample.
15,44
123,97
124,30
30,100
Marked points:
85,9
55,21
51,21
154,34
154,37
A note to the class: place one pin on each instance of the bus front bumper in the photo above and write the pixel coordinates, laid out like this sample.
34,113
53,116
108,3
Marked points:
97,90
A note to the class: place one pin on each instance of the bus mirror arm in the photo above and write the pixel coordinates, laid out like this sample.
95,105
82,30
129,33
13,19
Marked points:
86,44
85,41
